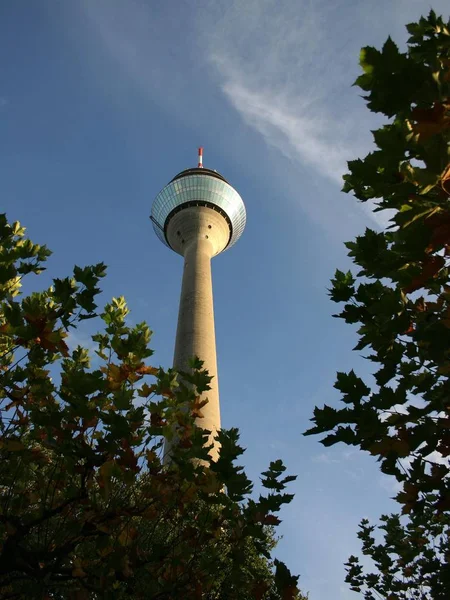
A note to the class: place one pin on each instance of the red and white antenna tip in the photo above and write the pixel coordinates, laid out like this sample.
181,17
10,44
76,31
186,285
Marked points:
200,157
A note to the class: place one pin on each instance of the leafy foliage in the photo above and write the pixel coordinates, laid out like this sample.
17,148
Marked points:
87,509
400,298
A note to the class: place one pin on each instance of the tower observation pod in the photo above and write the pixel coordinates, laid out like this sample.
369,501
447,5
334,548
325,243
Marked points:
198,215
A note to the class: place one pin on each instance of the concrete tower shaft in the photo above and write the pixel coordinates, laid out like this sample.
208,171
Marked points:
199,233
198,215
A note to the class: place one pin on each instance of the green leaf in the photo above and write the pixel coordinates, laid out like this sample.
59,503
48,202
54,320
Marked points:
352,387
343,286
13,313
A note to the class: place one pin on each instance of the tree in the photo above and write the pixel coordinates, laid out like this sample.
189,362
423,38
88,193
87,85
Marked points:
400,298
87,509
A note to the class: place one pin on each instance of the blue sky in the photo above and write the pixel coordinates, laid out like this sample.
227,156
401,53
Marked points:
102,102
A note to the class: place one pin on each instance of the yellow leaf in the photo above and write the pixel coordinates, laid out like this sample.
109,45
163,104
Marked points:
146,390
105,551
127,535
211,485
13,445
151,513
104,477
78,572
151,456
147,370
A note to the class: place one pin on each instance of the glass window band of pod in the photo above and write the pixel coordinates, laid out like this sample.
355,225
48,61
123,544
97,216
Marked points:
199,189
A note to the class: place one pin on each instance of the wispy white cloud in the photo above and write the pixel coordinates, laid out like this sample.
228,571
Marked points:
79,338
350,454
390,484
288,78
288,73
278,445
300,135
3,102
324,459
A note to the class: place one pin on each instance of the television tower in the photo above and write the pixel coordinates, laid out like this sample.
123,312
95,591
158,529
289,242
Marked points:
198,215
